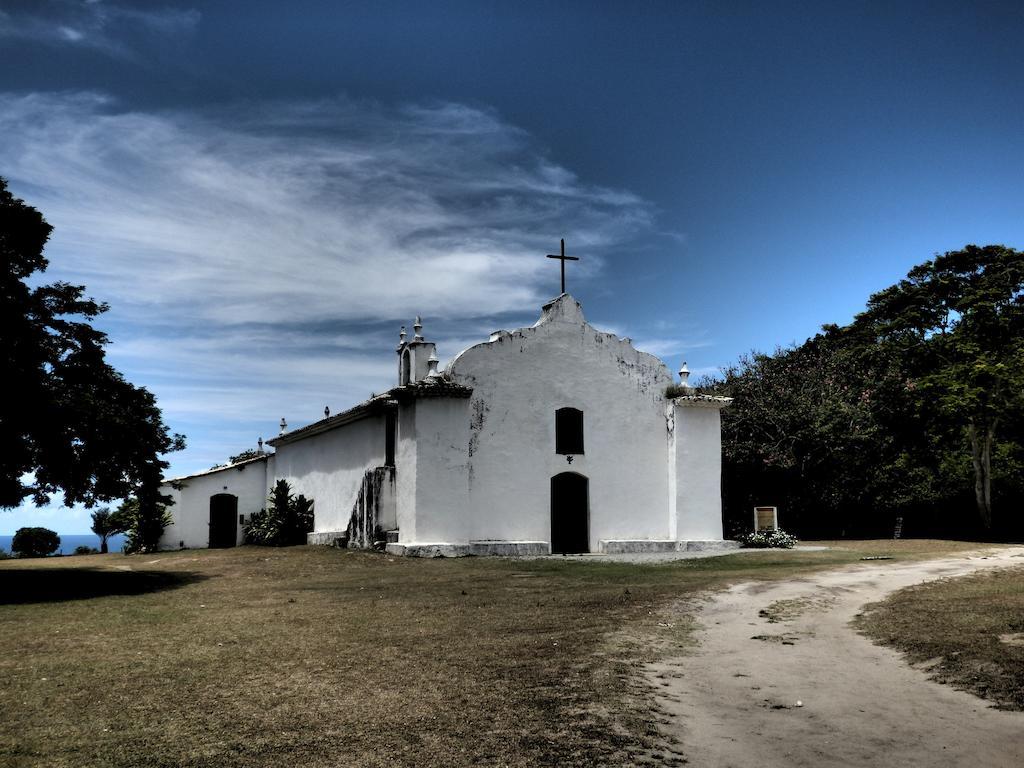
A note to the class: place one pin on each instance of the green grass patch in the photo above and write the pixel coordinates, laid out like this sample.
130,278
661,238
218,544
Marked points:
318,657
967,631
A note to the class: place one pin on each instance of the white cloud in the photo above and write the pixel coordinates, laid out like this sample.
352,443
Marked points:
103,27
237,376
294,212
260,257
72,35
669,348
653,339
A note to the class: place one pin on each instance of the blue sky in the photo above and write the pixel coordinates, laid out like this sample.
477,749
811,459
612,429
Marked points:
264,192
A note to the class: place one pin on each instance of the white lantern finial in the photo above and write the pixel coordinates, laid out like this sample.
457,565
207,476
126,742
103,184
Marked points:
684,376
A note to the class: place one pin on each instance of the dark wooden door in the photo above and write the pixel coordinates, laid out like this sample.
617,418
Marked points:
223,520
570,513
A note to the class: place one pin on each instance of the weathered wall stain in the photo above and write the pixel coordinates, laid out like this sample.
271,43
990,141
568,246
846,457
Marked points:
364,530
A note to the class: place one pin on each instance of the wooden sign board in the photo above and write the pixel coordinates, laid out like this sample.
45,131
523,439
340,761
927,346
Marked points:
766,518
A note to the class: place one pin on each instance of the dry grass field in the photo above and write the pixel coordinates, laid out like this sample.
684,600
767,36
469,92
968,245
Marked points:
318,657
968,632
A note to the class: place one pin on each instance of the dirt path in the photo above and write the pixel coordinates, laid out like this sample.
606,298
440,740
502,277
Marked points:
734,703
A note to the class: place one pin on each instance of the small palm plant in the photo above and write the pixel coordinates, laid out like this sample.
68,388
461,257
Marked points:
285,522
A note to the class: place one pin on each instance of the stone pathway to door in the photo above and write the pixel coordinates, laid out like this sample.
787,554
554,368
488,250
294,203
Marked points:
810,691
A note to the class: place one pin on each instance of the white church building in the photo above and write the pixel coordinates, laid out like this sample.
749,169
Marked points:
557,438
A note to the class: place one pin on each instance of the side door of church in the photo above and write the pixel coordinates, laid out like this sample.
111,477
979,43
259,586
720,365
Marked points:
223,520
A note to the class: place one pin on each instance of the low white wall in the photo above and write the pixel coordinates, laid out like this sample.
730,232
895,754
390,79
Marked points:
191,510
329,468
697,458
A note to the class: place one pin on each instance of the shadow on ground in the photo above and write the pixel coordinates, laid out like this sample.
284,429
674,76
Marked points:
45,585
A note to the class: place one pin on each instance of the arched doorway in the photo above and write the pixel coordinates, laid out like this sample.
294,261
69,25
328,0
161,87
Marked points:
570,513
223,520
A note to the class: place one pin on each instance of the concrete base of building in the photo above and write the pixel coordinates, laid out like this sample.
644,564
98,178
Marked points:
481,548
645,546
500,548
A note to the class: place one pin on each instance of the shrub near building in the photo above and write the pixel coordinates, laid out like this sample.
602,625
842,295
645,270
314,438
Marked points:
285,522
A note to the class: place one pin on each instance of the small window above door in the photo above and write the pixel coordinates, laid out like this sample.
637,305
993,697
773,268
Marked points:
568,431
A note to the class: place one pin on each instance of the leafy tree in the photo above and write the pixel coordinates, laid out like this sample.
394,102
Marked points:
83,549
69,422
285,522
959,321
143,522
898,414
34,542
249,453
799,434
105,524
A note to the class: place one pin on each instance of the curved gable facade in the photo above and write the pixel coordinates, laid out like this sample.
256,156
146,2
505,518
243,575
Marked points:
521,381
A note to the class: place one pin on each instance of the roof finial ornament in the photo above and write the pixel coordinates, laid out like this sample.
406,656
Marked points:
563,259
432,362
417,326
684,376
327,412
284,426
401,335
259,445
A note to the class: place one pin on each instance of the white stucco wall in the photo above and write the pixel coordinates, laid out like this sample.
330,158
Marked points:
329,468
405,478
519,380
432,471
191,508
696,456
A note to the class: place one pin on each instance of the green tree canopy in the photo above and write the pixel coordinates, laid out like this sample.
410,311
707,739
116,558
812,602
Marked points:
69,422
144,523
958,321
915,408
34,542
248,453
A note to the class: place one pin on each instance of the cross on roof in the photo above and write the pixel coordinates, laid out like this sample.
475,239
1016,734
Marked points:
563,258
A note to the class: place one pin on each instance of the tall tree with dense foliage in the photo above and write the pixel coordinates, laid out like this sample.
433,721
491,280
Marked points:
69,422
912,409
801,433
958,320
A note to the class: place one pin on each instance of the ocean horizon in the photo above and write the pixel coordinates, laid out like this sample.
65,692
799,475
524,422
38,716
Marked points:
68,542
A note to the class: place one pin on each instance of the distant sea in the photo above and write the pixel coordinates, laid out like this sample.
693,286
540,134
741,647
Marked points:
69,541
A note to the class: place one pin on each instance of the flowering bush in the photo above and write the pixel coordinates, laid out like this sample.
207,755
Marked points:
777,539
